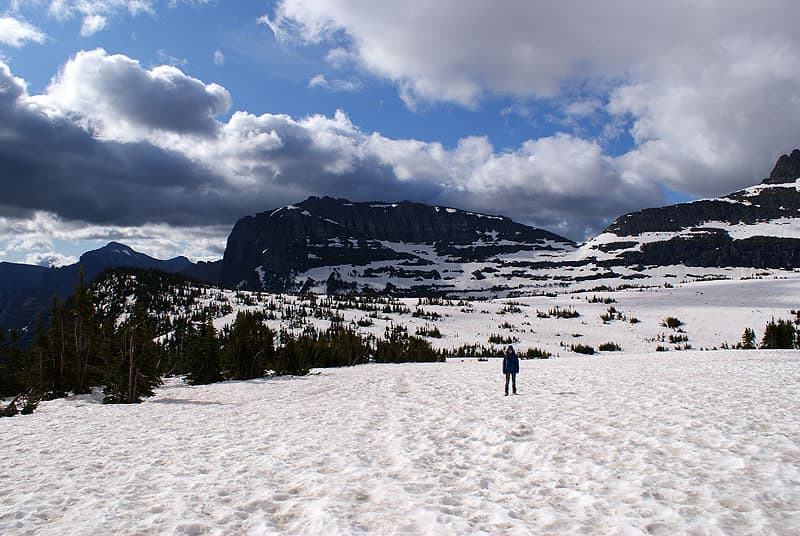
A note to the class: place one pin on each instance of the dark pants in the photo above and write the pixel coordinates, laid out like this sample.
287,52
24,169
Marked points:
513,377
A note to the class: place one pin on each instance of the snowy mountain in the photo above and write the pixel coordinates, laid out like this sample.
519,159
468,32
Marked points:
333,245
756,227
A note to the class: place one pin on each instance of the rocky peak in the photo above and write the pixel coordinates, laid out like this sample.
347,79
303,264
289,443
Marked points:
270,250
787,169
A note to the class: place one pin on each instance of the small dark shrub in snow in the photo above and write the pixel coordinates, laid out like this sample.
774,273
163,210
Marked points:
537,353
612,314
609,347
30,405
399,347
558,312
510,308
675,339
474,350
582,349
671,322
494,338
660,348
596,299
634,320
10,410
427,315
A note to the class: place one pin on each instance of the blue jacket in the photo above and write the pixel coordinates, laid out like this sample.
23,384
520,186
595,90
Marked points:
511,363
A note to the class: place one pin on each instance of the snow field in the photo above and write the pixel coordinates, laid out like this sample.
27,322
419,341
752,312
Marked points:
713,312
689,442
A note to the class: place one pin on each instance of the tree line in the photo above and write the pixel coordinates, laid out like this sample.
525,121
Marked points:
91,342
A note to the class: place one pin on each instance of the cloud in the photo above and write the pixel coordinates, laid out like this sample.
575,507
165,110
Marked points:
32,237
130,147
15,33
709,91
120,99
52,164
320,81
168,59
219,58
50,259
93,24
96,15
711,127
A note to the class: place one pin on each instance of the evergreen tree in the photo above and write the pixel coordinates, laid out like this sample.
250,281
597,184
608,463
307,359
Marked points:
399,347
778,335
249,347
203,356
131,359
57,343
748,339
10,364
83,336
39,369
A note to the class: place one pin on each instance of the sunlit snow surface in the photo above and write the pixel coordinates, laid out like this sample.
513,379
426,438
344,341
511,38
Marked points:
698,442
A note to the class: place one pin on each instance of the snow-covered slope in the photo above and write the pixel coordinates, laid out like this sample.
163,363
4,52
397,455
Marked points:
691,443
713,313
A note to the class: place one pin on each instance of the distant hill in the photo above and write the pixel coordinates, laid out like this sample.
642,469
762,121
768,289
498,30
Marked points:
28,290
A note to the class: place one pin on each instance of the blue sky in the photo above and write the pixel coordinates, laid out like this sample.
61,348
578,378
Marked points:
165,121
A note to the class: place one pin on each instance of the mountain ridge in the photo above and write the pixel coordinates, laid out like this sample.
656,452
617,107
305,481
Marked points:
274,249
328,245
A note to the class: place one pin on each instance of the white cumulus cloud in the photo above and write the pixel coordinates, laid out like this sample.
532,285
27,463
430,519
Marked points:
93,24
708,91
15,33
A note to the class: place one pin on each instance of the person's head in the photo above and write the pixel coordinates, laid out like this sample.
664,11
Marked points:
510,349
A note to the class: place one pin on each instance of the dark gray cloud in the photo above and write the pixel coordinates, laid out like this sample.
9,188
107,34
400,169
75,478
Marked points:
107,170
54,165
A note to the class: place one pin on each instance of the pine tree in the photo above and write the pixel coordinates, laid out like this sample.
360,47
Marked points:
131,359
748,339
83,335
778,335
10,364
249,347
203,356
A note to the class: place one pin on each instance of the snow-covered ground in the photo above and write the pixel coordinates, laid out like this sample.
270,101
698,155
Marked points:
714,314
668,443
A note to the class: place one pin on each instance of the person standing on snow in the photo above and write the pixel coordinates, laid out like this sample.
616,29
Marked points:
511,368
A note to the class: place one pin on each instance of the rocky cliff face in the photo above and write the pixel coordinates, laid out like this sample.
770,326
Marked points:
755,227
355,245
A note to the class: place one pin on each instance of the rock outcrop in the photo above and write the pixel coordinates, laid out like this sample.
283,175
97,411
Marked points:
276,250
756,227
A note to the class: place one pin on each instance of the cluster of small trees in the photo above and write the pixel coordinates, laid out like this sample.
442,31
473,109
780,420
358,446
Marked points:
80,349
91,341
778,335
